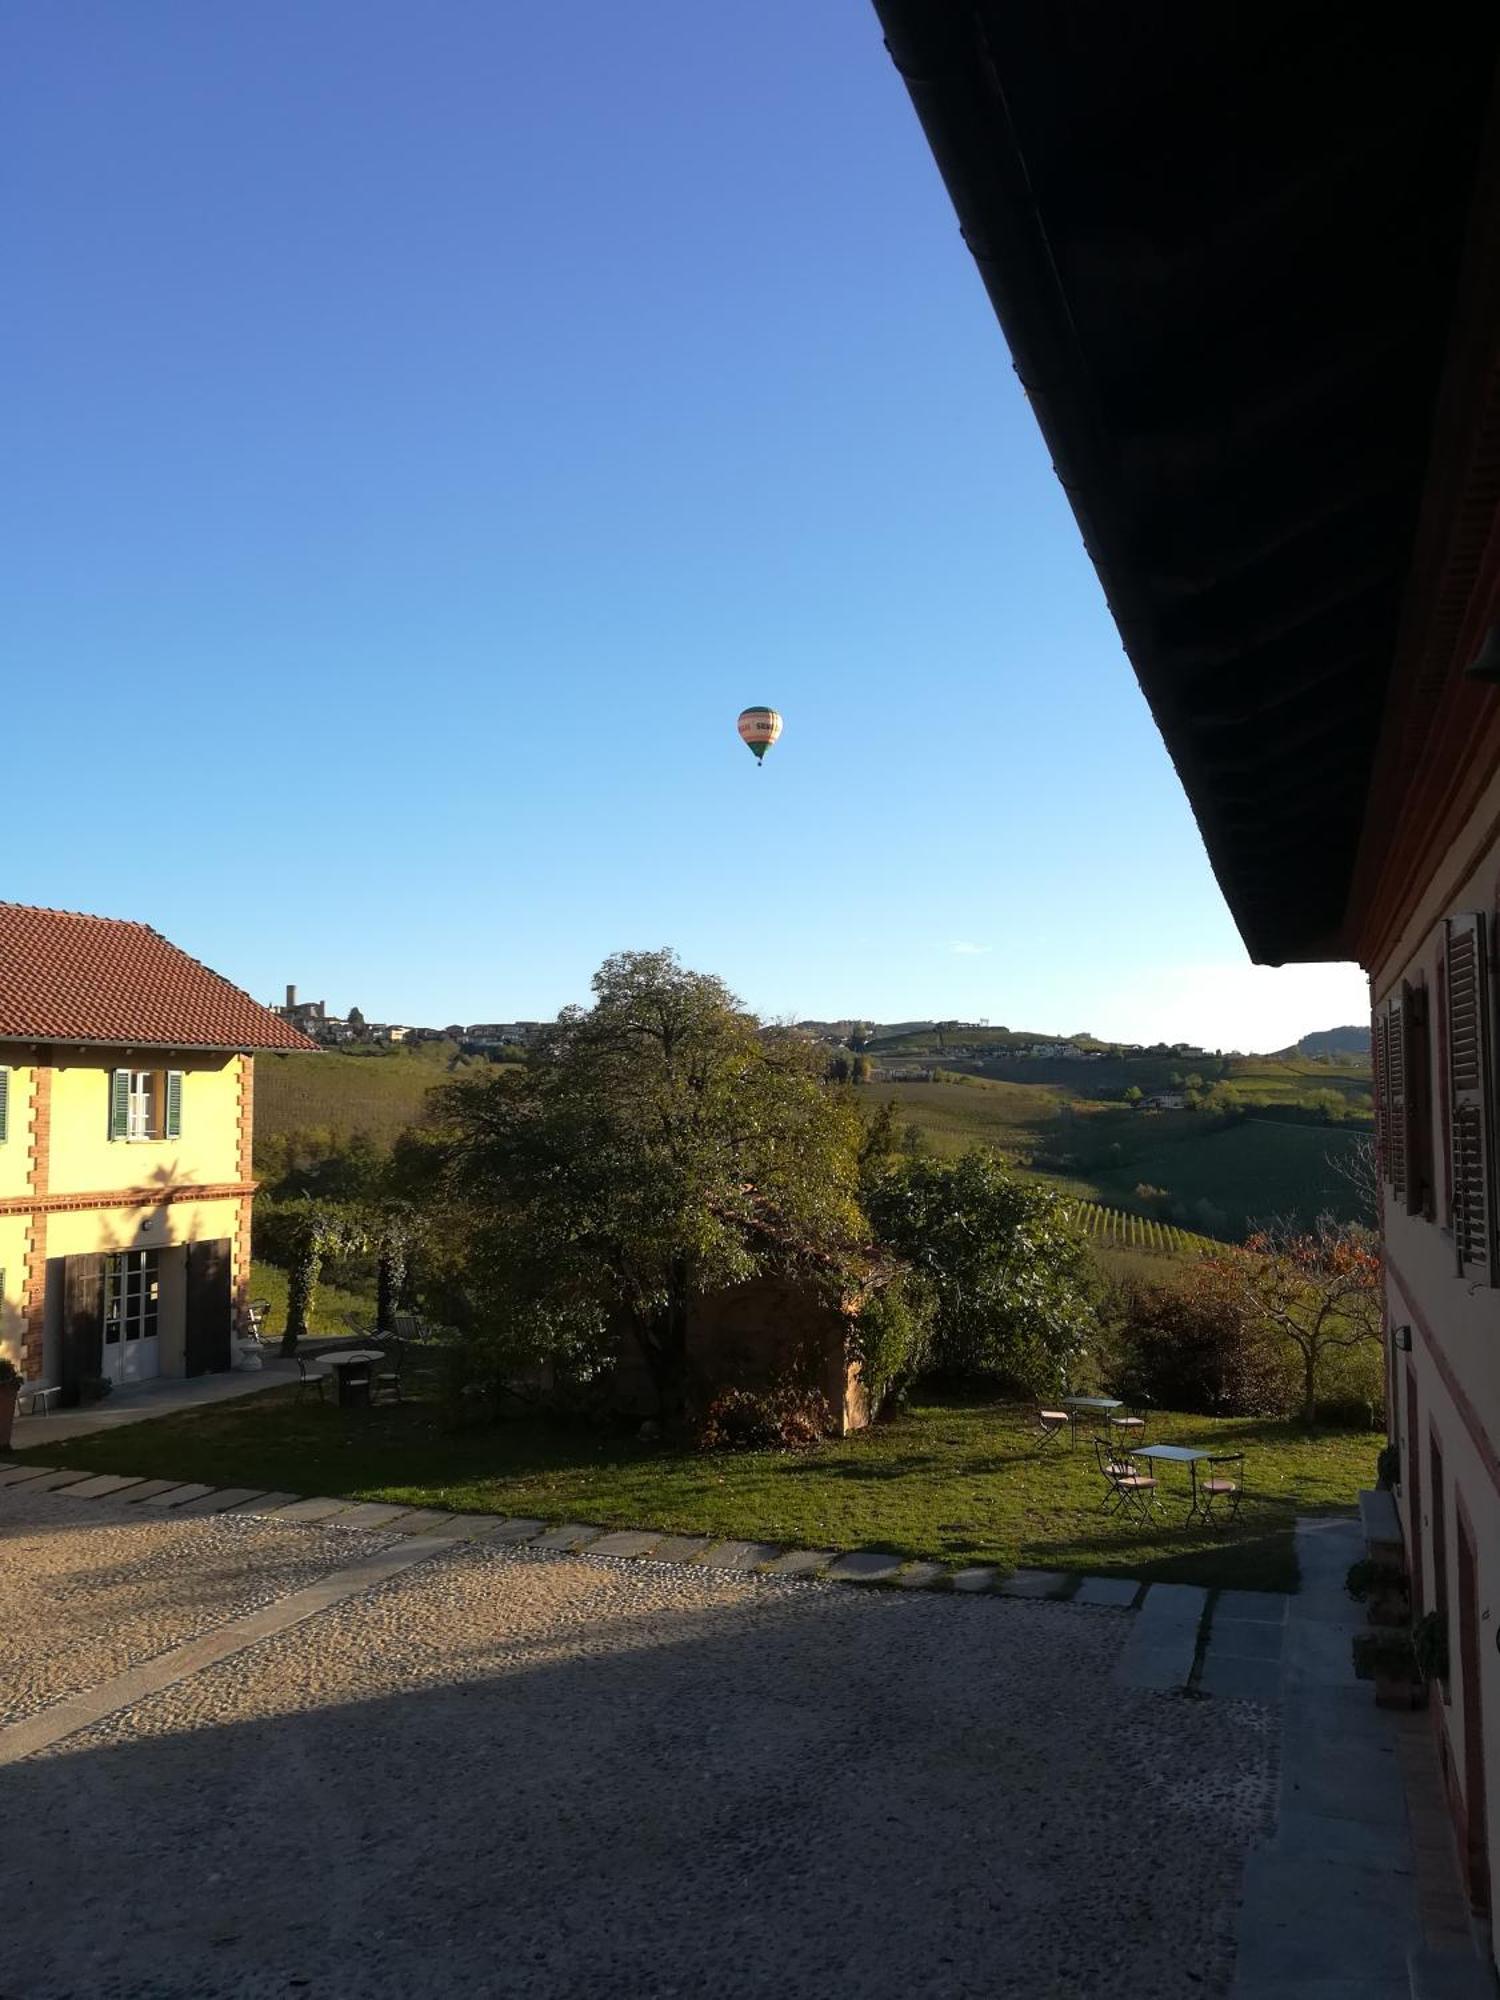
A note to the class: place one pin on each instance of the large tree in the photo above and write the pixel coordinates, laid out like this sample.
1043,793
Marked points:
1012,1279
651,1147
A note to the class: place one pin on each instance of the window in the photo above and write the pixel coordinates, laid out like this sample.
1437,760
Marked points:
145,1104
131,1290
1439,1536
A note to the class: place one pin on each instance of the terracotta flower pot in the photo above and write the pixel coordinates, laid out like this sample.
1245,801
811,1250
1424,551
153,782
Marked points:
9,1391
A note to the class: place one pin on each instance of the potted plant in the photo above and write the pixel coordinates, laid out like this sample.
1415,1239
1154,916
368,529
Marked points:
1382,1587
10,1389
1388,1467
94,1388
1385,1656
1429,1645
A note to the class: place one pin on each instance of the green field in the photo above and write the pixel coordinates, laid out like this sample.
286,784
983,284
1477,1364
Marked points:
1216,1171
961,1481
378,1095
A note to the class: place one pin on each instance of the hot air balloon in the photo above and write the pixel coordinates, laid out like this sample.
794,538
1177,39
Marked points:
759,729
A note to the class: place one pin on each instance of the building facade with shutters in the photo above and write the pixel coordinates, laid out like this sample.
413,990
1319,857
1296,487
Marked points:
1250,281
126,1129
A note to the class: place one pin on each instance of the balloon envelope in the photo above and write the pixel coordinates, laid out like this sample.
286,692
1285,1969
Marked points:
759,729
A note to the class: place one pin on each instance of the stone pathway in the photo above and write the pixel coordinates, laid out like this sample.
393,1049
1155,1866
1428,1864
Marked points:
1356,1894
1170,1644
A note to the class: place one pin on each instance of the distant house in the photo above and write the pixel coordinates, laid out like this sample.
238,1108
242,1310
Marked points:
1165,1100
126,1123
312,1018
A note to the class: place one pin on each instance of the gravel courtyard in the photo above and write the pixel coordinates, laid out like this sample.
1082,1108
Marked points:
501,1772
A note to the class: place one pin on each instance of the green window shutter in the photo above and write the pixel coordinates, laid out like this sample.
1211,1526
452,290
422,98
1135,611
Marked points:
119,1104
4,1105
174,1104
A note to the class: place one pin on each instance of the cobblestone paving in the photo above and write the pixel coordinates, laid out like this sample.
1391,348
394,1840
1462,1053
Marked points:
88,1588
513,1773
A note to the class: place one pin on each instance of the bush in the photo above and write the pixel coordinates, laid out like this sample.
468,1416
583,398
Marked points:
891,1337
783,1419
1194,1346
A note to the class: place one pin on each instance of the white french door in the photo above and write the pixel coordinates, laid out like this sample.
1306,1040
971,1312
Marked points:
131,1300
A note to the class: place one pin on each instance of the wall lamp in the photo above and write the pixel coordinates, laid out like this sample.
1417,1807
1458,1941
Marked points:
1401,1339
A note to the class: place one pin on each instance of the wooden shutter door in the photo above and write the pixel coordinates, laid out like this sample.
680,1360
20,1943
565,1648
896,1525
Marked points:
209,1307
1394,1039
82,1354
1473,1208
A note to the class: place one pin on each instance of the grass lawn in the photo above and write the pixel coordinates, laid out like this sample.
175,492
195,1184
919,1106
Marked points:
958,1481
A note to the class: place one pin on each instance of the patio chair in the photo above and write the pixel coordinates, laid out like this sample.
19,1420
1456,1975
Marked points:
258,1311
1127,1490
1052,1425
385,1382
310,1378
1129,1424
35,1400
1220,1494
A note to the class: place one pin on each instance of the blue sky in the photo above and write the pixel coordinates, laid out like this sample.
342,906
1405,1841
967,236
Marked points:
428,427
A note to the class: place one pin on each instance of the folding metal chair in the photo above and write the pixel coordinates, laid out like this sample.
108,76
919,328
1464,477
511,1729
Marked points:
1220,1494
1052,1425
310,1378
1126,1490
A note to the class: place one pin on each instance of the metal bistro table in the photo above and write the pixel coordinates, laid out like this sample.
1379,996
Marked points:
350,1369
1178,1454
1085,1409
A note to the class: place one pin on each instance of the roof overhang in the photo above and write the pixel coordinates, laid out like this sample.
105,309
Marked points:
1226,245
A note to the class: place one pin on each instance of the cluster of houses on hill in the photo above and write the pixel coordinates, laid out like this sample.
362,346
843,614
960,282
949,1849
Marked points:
333,1031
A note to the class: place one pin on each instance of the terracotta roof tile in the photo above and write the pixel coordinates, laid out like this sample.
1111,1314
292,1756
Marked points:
65,977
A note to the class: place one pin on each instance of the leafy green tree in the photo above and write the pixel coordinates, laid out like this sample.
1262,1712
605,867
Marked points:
1012,1279
658,1145
1133,1094
861,1069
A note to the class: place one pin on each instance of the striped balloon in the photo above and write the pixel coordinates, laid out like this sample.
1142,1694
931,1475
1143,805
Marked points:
759,729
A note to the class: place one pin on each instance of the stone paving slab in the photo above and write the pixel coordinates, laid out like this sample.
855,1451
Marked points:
151,1489
264,1503
569,1535
220,1500
681,1548
421,1521
922,1576
1241,1680
515,1528
176,1496
369,1514
800,1562
1321,1919
1268,1606
740,1555
1243,1639
1112,1590
12,1475
316,1509
1027,1583
624,1542
867,1566
50,1481
98,1486
979,1579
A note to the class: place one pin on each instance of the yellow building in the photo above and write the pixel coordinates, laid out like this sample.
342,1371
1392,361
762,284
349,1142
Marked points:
126,1123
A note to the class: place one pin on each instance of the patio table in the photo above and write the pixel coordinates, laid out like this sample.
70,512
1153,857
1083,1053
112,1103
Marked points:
1081,1408
343,1366
1178,1454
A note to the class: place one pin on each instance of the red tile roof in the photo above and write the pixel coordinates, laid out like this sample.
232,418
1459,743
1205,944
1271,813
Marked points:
71,978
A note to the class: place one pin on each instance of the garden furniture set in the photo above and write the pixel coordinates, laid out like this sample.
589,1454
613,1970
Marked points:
1129,1467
